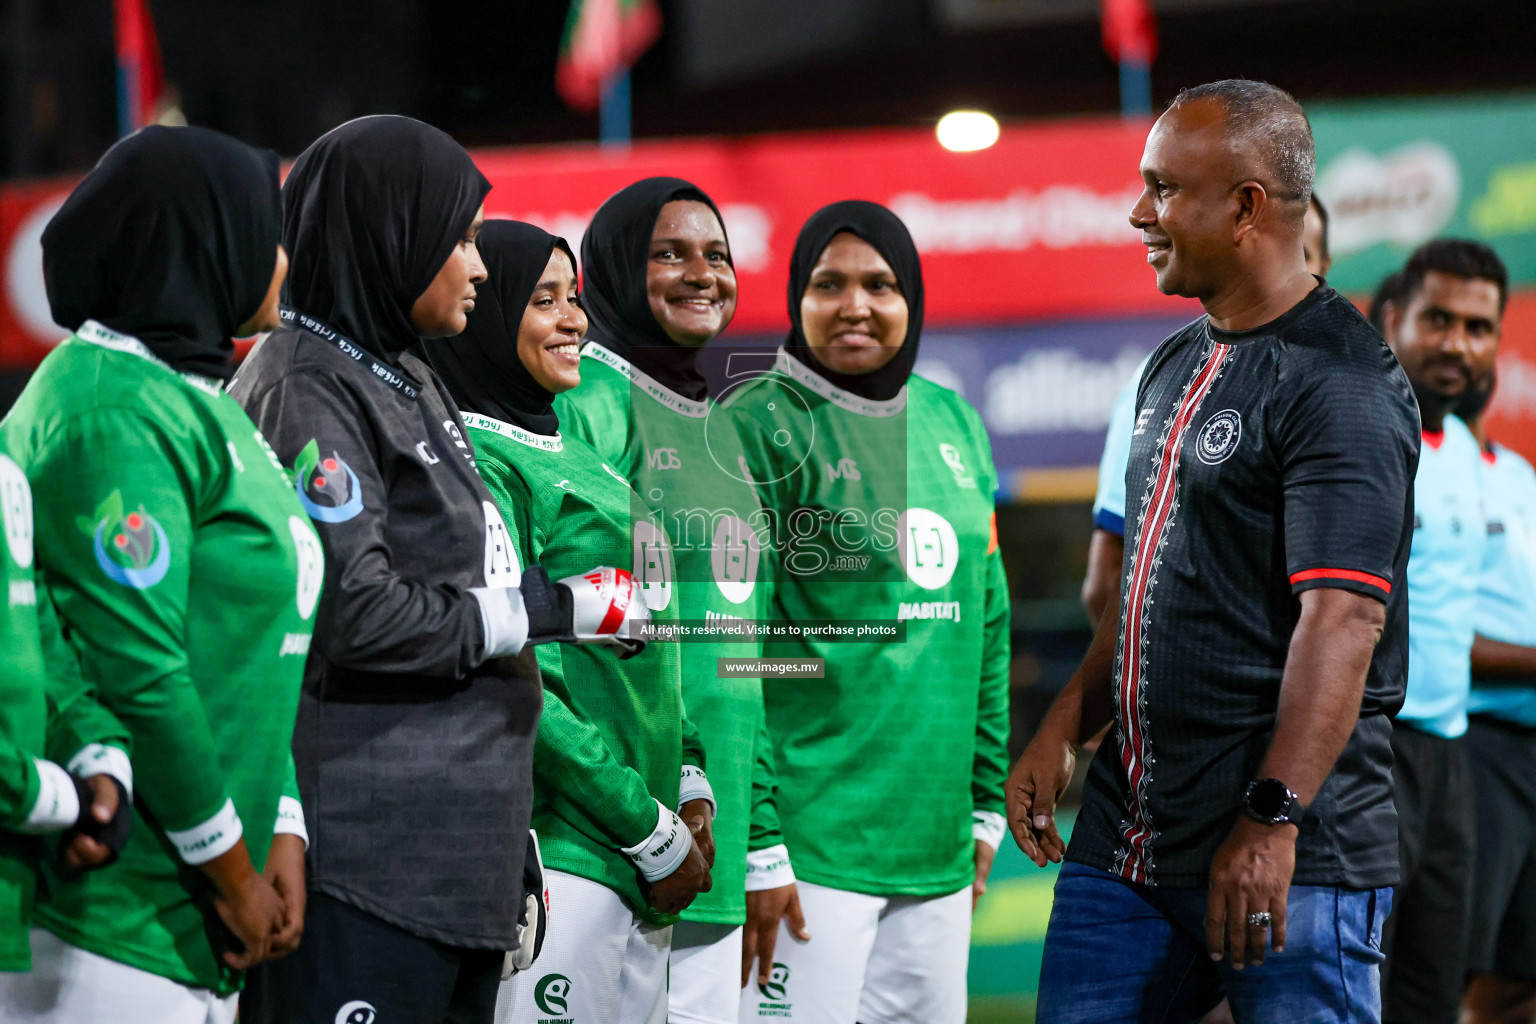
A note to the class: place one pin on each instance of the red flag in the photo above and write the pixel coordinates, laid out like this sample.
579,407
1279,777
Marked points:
1130,31
140,77
601,37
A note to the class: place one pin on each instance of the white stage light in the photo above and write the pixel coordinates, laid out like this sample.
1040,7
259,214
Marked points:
963,131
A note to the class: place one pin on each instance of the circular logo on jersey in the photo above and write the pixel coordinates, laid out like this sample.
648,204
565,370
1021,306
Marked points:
777,984
311,565
553,993
131,548
1218,438
327,487
787,429
734,558
16,512
652,565
357,1012
929,547
502,566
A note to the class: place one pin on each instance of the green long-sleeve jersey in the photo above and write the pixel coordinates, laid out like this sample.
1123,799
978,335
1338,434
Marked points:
41,716
614,736
23,716
685,460
883,511
185,574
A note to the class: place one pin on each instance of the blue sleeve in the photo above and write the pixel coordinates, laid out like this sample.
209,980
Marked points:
1109,502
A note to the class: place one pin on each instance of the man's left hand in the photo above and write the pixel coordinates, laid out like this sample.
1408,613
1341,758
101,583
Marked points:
1251,874
984,857
699,816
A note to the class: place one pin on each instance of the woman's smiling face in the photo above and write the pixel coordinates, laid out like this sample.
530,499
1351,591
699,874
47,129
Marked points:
549,336
688,275
853,313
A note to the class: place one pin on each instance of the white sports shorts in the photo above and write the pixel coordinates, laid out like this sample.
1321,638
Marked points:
706,973
600,963
68,985
870,960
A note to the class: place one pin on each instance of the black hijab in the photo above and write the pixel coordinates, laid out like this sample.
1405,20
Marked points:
371,212
171,238
614,255
884,230
481,367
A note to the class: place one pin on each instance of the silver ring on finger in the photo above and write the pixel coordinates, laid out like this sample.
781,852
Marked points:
1259,919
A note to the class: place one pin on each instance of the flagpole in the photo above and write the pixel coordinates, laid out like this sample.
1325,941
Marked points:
613,115
1135,88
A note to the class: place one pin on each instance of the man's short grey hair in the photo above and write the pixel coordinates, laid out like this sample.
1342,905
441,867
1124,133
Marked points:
1266,121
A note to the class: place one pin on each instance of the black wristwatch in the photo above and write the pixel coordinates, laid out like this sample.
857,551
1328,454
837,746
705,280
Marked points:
1269,802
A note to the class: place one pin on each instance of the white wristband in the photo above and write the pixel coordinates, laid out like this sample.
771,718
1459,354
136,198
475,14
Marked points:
988,827
57,805
660,853
769,869
694,786
503,619
214,837
290,819
100,759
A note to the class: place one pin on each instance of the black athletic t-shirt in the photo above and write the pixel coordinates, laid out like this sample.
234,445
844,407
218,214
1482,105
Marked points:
1264,463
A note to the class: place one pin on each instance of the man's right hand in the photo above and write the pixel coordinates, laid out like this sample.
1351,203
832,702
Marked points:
247,903
673,894
1037,782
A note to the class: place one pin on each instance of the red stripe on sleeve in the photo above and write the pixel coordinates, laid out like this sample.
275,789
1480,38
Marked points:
1341,574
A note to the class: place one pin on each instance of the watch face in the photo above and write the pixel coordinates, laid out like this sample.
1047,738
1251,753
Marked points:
1268,798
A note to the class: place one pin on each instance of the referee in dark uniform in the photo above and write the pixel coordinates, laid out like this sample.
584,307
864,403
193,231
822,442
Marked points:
1237,835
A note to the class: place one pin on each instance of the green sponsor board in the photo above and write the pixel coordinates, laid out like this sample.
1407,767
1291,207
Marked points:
1398,173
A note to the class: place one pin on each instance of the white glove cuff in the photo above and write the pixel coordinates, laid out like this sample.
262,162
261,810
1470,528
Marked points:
57,805
503,619
695,786
988,827
769,869
660,853
214,837
100,759
290,819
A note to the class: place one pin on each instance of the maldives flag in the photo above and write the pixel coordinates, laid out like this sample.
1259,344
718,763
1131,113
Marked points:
1130,31
602,37
140,78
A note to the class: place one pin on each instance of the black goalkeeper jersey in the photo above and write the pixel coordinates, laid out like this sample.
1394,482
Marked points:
1263,463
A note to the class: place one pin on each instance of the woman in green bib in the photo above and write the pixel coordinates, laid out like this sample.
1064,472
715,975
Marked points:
185,573
616,759
882,484
660,286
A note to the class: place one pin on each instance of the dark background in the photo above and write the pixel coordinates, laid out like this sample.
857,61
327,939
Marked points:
280,72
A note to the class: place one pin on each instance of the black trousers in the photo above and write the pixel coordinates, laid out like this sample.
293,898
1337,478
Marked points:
1503,760
352,968
1426,937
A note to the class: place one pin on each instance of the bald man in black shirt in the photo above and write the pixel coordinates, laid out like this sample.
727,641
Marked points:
1238,834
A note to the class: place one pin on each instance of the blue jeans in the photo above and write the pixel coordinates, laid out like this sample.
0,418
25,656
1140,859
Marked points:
1120,952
